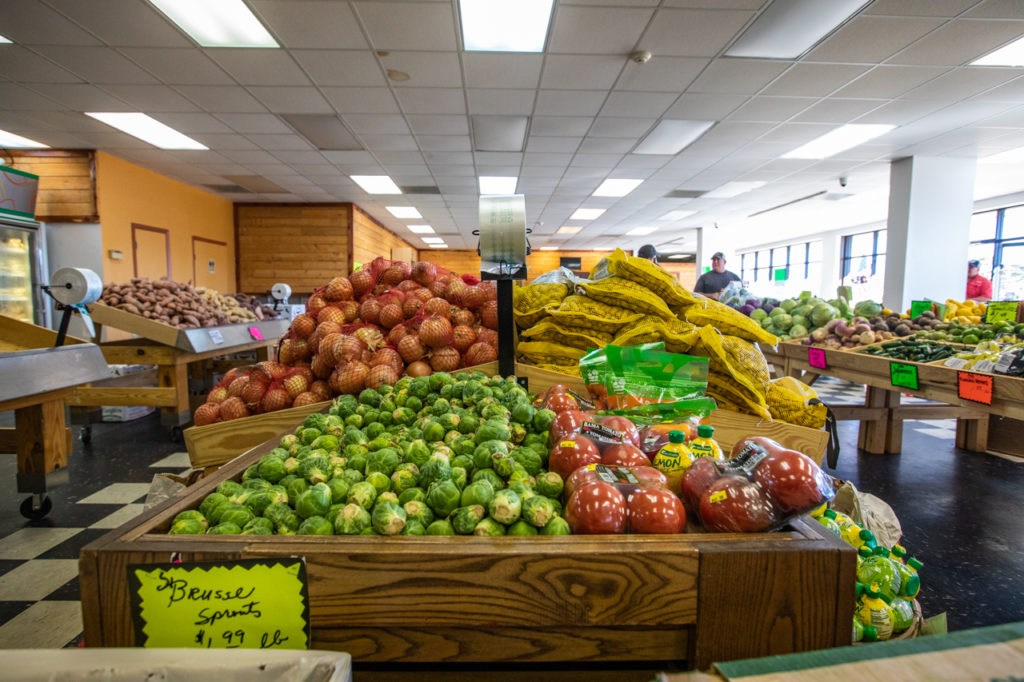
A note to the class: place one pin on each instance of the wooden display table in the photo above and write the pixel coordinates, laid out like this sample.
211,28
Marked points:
35,381
172,350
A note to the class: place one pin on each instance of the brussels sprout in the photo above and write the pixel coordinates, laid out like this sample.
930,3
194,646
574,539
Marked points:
339,488
363,494
188,527
479,492
538,511
519,475
433,431
315,525
518,433
337,465
496,481
357,462
326,442
258,526
417,452
388,518
354,436
289,441
411,494
459,477
296,488
483,452
441,527
521,488
384,460
258,502
241,496
462,462
315,469
505,507
439,379
419,511
521,527
437,468
387,495
489,527
373,430
413,404
314,502
369,397
468,424
443,497
403,416
192,515
379,443
413,527
523,413
229,488
352,520
542,420
277,512
256,484
355,420
219,510
379,481
225,529
503,465
529,459
549,484
308,435
464,519
556,526
251,473
403,480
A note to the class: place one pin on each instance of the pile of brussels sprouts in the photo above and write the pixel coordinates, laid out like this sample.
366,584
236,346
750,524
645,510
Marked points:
438,455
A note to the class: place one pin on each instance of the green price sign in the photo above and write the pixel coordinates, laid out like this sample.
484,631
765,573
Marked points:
918,307
249,604
781,274
1001,311
904,375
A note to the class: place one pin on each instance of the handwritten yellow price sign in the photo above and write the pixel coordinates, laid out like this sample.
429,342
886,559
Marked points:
247,604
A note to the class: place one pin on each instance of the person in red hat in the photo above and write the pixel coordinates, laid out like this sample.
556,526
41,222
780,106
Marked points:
978,288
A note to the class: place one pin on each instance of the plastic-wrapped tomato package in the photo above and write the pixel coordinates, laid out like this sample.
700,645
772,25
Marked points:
602,431
761,488
605,499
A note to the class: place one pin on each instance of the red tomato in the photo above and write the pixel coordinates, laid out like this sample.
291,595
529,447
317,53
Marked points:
571,453
566,424
654,510
792,480
560,402
651,477
626,427
597,508
701,474
624,455
735,504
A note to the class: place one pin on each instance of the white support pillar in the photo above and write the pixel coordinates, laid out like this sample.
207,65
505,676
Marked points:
830,257
930,205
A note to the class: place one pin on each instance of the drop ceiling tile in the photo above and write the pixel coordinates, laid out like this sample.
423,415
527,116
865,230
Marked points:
341,67
124,24
737,76
259,67
638,104
218,99
963,83
402,158
409,25
19,64
96,64
377,124
439,124
767,108
1010,92
361,100
29,22
560,125
661,74
581,72
278,143
247,156
649,162
179,66
924,8
607,126
504,102
152,98
596,160
300,157
431,100
311,23
255,123
704,107
958,42
444,143
597,30
565,103
560,144
498,158
546,159
449,159
814,80
997,9
796,133
70,121
836,110
693,32
890,81
537,173
222,143
872,39
426,69
901,112
393,143
81,97
501,69
289,100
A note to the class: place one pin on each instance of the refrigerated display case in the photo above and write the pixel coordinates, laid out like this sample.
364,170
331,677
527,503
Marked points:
22,261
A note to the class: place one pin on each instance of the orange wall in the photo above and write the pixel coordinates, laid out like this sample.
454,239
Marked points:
126,194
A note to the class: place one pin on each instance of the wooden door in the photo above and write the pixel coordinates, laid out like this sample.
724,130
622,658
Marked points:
210,265
151,251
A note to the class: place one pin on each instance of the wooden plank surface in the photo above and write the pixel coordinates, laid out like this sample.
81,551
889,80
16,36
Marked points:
139,353
67,184
16,335
41,437
370,239
124,395
134,324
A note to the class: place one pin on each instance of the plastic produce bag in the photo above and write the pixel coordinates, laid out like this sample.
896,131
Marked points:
639,376
604,499
870,512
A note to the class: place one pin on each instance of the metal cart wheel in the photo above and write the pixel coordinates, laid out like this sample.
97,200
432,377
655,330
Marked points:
29,509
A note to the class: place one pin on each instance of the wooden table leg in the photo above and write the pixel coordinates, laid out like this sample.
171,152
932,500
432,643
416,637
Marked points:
874,432
42,443
894,432
176,377
972,434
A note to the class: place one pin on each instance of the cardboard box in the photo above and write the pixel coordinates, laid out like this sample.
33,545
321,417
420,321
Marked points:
126,413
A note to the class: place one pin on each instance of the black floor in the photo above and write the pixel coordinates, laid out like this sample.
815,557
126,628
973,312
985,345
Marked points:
961,514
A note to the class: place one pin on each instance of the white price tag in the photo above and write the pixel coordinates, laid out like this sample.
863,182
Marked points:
955,363
984,366
216,336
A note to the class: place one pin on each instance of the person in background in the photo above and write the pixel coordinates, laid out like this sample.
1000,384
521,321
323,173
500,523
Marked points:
710,284
649,252
978,288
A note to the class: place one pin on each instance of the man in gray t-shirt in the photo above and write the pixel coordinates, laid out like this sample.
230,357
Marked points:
710,284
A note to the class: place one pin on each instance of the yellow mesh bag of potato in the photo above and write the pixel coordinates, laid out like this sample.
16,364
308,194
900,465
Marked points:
680,336
647,330
531,303
728,321
731,395
628,294
651,276
545,353
736,365
576,337
580,311
571,371
791,400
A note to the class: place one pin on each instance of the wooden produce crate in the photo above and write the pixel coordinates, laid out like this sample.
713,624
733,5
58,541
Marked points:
408,604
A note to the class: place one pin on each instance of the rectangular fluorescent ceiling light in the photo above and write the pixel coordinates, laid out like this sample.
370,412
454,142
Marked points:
217,23
838,140
733,189
4,40
677,215
587,214
11,140
439,246
432,240
789,28
616,187
147,129
504,25
1007,55
549,248
421,229
498,184
672,137
641,231
376,184
569,229
403,211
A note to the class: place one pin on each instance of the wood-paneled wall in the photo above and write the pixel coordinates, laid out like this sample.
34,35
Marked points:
370,240
67,183
686,273
304,245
